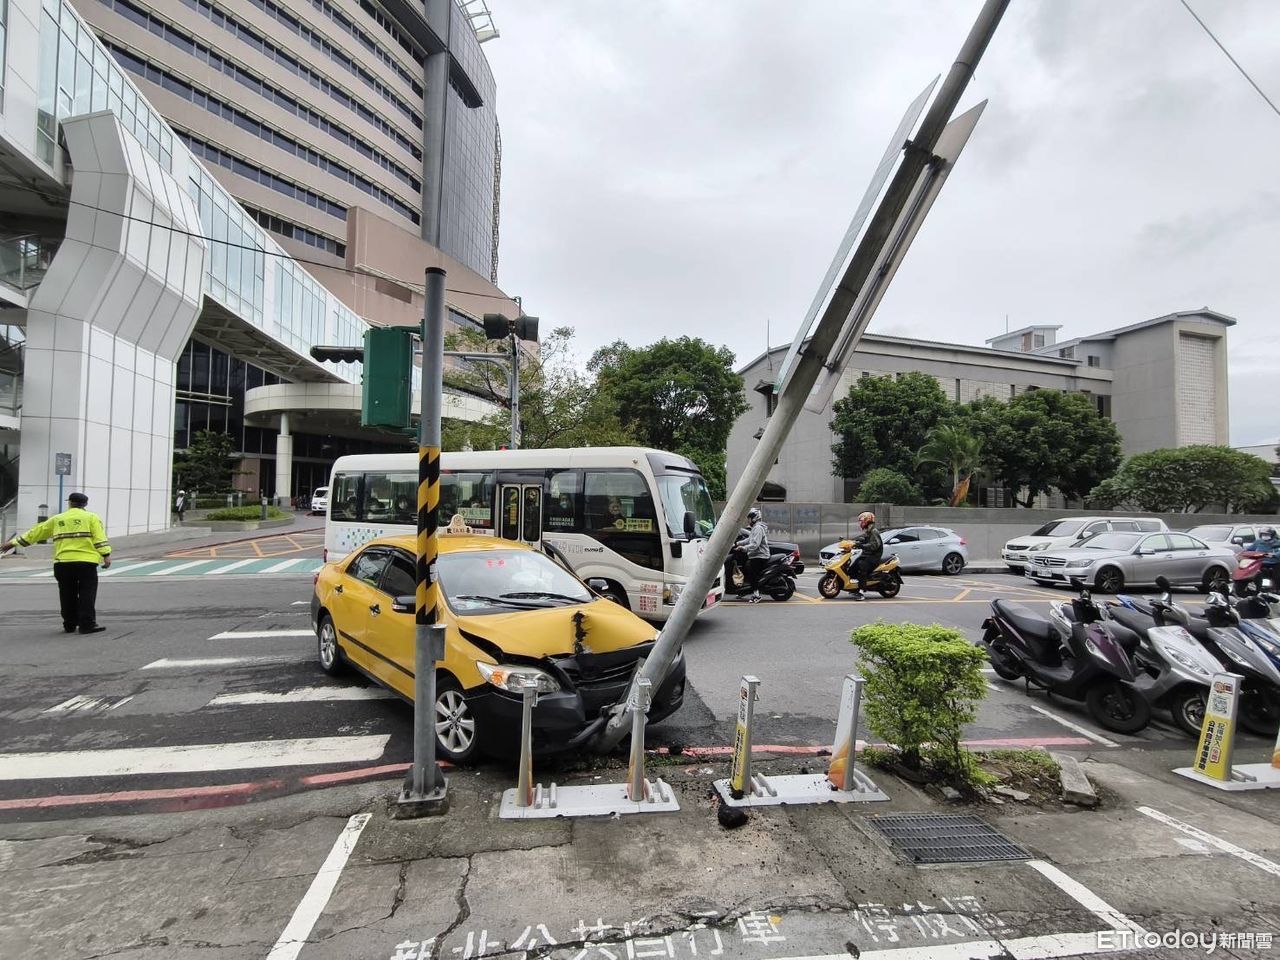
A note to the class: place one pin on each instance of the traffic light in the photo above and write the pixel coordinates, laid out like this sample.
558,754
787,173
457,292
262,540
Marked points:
498,327
386,399
338,354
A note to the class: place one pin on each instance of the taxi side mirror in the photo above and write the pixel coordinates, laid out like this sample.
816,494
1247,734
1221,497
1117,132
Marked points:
404,604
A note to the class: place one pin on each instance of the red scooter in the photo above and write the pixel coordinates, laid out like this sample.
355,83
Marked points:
1254,567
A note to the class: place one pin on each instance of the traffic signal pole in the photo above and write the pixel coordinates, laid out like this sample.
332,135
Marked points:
425,787
918,154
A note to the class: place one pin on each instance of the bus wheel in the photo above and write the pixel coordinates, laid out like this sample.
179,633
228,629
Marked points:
616,594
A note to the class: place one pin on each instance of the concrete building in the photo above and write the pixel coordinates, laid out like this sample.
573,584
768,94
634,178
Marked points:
192,195
1163,382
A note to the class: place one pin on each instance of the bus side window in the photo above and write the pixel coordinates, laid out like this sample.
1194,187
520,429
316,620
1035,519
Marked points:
344,497
563,504
471,495
621,515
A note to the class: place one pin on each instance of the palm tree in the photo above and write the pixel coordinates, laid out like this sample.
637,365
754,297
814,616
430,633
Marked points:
956,449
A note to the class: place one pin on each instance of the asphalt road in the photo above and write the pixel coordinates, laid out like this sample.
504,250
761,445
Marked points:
205,690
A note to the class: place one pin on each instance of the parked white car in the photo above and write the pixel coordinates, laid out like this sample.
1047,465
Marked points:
1063,533
320,500
1235,537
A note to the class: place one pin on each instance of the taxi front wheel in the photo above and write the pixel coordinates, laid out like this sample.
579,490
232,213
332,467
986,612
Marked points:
457,729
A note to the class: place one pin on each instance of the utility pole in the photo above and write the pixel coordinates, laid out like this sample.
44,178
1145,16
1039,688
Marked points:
425,790
918,154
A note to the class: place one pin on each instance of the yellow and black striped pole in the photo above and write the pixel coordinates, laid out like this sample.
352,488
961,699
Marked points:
425,786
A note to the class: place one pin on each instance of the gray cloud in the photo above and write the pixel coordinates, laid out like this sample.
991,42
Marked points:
673,167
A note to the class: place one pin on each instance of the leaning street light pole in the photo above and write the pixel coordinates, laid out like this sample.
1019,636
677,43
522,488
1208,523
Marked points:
425,787
918,155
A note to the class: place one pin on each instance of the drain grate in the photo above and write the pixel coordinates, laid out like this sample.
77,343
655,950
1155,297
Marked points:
946,838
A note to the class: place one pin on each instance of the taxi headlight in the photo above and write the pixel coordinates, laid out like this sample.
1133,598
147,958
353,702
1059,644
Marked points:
511,678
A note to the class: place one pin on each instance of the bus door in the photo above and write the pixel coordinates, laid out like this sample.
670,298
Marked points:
520,512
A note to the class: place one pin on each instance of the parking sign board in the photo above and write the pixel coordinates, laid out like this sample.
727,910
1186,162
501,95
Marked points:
62,464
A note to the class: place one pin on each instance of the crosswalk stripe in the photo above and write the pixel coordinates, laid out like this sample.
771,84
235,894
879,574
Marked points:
283,565
180,663
230,566
114,570
191,758
172,570
260,634
302,695
43,573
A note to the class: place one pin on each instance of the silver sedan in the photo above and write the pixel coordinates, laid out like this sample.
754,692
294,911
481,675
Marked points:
1112,561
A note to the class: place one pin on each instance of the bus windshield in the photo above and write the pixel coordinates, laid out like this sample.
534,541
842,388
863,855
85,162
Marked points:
687,494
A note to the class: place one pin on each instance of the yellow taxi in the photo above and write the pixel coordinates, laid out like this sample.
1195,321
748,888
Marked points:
511,612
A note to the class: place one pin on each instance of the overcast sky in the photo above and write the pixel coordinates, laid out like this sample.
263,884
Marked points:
688,166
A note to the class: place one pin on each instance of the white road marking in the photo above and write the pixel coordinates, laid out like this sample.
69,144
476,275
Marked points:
191,758
317,896
178,568
992,687
1078,892
299,603
128,569
303,695
231,566
179,663
282,565
87,704
260,634
1262,863
1083,731
43,573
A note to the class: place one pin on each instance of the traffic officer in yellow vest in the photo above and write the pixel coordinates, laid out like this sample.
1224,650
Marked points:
79,544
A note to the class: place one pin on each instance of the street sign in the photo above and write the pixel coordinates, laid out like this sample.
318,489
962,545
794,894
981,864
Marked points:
1217,736
62,464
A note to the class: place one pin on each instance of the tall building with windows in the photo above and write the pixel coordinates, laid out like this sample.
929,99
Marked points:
192,195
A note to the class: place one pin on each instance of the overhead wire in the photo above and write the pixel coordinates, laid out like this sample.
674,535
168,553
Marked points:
1234,62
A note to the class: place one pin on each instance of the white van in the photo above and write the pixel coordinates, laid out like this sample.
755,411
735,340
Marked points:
320,500
1065,532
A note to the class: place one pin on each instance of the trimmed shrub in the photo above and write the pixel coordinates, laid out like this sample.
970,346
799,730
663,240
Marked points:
888,486
245,513
923,684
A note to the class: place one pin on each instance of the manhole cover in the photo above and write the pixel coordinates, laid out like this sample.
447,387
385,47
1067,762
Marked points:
946,838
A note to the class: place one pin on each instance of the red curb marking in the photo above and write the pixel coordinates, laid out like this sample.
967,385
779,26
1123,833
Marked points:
324,779
123,796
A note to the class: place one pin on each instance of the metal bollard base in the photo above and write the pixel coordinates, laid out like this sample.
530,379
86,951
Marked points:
797,789
406,807
594,800
1244,776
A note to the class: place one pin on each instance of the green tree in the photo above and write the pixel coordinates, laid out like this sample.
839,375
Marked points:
1043,439
883,421
679,395
207,464
956,449
561,405
882,485
1189,479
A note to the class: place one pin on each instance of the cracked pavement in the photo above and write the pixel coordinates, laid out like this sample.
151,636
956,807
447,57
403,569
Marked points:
794,881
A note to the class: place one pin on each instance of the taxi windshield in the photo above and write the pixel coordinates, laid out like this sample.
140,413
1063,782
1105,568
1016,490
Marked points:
476,581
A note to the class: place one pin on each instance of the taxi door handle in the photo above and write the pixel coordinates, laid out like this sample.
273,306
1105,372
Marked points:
375,609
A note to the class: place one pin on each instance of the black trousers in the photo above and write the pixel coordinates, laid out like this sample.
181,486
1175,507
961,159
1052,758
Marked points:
755,567
77,592
863,566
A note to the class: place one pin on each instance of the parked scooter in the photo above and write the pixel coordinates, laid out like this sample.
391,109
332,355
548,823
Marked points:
885,579
1247,647
1077,654
776,579
1175,671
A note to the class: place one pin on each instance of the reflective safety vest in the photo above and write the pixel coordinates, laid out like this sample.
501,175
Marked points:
78,536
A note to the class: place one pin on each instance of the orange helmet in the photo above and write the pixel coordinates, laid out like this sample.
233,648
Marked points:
866,519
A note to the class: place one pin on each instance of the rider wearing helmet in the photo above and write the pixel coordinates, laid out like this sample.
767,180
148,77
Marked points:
756,547
872,551
1269,544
